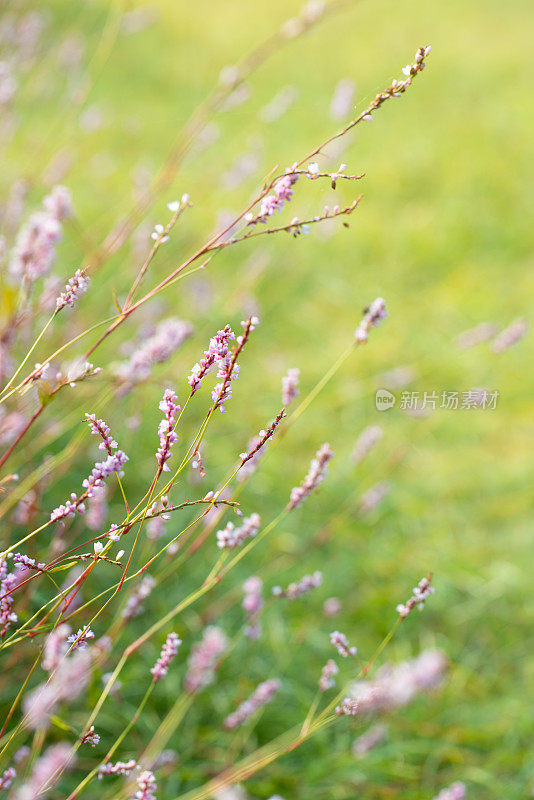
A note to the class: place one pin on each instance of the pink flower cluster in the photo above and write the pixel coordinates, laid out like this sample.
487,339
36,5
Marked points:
217,353
147,786
231,537
51,764
456,791
421,593
395,686
118,768
290,383
252,605
79,640
55,647
7,777
91,737
8,581
366,441
103,469
99,428
76,286
373,316
168,336
340,642
68,681
34,250
25,562
262,695
316,475
328,672
203,659
282,193
168,652
167,436
134,605
305,585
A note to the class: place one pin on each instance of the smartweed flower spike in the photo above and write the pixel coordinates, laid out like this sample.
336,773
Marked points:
232,537
91,737
421,593
369,740
99,428
262,695
290,383
340,642
305,585
167,436
228,367
256,444
329,671
101,471
134,605
55,647
51,764
118,768
315,476
282,193
395,686
76,286
372,317
203,659
252,605
456,791
509,336
8,581
366,441
147,786
25,562
168,336
80,639
168,652
215,354
7,777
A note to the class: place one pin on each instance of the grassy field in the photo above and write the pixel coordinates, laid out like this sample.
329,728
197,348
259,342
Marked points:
444,234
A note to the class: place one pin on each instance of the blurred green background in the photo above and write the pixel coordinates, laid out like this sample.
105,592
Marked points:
444,234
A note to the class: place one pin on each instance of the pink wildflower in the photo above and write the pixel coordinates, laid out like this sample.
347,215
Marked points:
316,475
75,287
329,670
99,428
421,593
232,537
262,695
305,585
167,436
168,652
203,659
373,316
340,642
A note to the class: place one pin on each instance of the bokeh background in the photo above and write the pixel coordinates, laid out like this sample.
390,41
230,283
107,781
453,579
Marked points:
444,234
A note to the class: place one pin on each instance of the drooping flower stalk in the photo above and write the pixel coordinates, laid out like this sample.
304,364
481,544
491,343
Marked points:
315,476
306,584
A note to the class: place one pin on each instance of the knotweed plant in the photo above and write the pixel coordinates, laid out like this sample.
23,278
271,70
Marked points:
85,552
